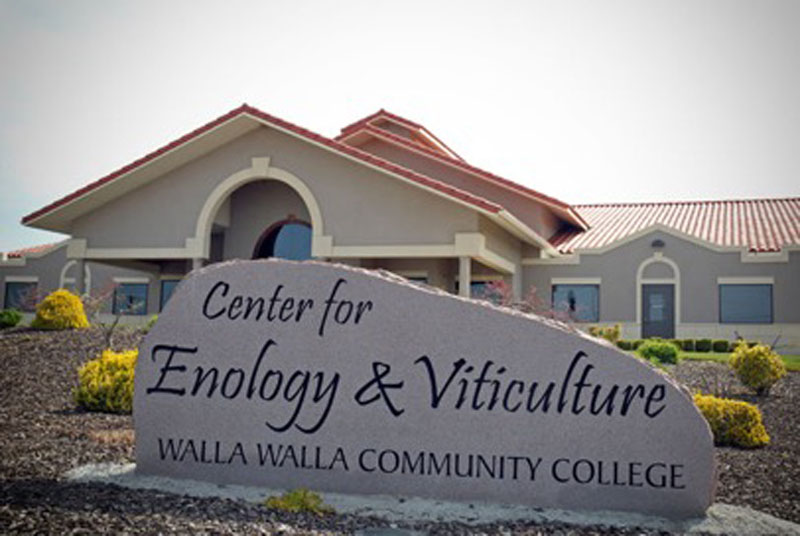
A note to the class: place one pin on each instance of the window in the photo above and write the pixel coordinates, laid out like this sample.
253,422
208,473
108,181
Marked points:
130,299
582,302
168,286
484,289
287,240
21,295
745,304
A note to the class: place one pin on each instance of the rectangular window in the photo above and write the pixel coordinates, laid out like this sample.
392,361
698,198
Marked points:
745,304
581,302
130,299
21,295
168,286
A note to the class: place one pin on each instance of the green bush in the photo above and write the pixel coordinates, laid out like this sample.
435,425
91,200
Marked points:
299,500
732,422
662,352
721,346
61,309
106,383
626,345
10,318
702,345
758,367
637,343
687,345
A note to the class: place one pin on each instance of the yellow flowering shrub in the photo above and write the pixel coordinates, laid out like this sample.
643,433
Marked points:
106,383
299,500
61,309
758,367
733,423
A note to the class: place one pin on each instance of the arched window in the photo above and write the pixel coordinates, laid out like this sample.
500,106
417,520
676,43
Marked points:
288,239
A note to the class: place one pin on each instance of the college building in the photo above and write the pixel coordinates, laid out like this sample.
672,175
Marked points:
386,193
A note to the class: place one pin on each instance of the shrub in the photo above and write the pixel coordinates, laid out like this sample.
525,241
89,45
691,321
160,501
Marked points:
60,310
299,500
609,333
150,324
10,318
661,351
732,422
626,345
758,367
702,345
637,343
687,345
721,346
106,383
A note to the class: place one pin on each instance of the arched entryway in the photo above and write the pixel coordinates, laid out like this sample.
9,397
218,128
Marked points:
286,239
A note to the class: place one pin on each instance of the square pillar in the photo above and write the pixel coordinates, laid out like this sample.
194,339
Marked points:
464,276
80,277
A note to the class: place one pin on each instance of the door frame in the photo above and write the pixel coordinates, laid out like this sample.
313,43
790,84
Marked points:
675,280
671,286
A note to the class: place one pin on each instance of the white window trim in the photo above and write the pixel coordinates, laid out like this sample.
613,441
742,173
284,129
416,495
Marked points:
745,280
22,279
132,280
576,281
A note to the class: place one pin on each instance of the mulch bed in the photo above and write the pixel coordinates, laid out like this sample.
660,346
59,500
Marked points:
42,435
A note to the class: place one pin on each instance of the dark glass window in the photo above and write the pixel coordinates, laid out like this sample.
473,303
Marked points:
290,240
168,286
130,299
21,296
745,304
581,302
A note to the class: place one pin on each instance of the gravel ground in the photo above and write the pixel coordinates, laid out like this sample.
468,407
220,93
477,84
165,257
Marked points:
42,436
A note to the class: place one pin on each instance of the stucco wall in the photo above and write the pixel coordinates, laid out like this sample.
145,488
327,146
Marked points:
360,206
254,208
536,216
699,269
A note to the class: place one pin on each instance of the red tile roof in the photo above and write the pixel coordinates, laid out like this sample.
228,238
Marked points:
305,133
760,225
361,124
24,252
491,177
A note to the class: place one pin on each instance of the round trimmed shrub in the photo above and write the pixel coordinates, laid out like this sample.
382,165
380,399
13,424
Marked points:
9,318
733,423
661,351
702,345
721,346
687,345
624,344
61,309
106,383
757,367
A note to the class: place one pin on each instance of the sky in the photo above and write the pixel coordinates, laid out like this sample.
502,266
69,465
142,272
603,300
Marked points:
588,101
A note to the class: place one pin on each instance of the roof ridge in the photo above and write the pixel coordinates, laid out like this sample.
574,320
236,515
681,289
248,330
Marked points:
382,112
689,202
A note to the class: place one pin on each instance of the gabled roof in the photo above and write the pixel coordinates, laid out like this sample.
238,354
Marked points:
419,135
246,111
564,210
759,225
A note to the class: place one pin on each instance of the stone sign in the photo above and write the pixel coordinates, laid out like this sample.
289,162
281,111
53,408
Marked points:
283,374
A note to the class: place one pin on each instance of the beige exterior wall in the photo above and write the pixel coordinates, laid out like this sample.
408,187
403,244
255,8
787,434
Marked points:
359,206
697,290
534,215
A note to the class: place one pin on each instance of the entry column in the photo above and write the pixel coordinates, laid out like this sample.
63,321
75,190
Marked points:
464,276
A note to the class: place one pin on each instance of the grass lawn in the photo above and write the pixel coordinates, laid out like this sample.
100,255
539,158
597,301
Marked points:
792,361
